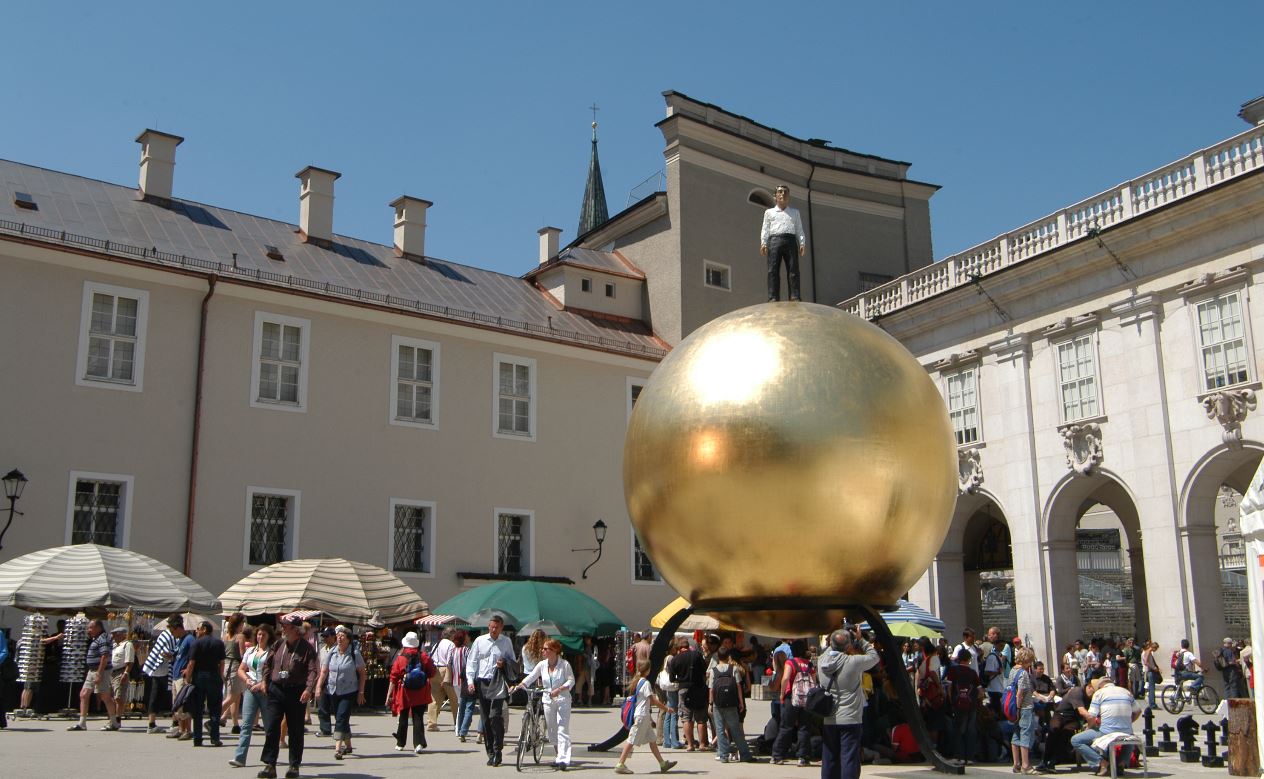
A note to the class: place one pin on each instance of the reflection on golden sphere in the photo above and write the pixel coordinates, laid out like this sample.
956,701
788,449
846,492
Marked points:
790,454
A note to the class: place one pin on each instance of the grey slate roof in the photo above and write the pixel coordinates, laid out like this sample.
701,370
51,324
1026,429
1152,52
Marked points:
109,218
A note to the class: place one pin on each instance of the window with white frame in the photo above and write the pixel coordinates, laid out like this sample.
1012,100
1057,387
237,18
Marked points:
643,569
112,337
412,536
272,535
715,275
279,368
1222,341
609,289
99,509
963,405
414,382
515,397
1077,378
513,534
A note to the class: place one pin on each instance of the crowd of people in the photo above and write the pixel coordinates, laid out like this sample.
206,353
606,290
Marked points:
273,680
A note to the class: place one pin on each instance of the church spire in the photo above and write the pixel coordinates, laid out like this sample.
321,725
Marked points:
592,212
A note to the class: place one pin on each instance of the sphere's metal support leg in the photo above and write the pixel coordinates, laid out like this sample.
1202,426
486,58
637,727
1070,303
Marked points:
658,653
894,663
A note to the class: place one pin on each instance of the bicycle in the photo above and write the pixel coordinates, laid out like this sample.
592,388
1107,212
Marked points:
1176,699
532,738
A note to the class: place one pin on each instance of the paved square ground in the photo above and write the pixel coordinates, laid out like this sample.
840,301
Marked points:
43,748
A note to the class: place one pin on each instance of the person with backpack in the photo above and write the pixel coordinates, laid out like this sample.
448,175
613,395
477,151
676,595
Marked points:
1020,708
409,691
798,679
341,682
963,697
1185,667
636,718
839,672
724,682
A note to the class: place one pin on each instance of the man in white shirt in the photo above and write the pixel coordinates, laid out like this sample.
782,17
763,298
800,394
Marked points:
1188,669
967,643
441,689
491,651
782,238
1113,710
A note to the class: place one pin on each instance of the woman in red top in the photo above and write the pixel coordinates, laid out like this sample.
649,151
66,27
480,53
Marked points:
406,703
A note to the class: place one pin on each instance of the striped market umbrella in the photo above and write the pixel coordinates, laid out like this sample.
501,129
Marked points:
344,590
907,611
441,620
98,579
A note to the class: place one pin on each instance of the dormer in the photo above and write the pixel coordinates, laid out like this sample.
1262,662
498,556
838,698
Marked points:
587,281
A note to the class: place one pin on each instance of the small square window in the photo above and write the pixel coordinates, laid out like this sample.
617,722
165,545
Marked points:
643,569
609,290
716,275
412,537
272,525
585,285
513,540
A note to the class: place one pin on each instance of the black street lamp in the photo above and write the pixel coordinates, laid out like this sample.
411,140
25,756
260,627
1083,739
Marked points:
14,483
599,532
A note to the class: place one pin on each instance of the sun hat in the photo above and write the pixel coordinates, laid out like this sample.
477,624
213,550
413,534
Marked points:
410,641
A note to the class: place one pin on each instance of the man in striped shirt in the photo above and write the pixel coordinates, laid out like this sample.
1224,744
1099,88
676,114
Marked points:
157,668
1113,710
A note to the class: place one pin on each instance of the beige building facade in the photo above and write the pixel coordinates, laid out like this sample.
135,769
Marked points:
220,391
1105,359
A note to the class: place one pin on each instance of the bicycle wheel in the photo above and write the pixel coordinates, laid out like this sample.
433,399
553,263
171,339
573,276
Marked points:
537,741
524,740
1172,699
1208,699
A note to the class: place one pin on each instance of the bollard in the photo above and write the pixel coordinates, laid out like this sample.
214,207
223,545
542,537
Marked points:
1187,729
1224,732
1167,744
1148,731
1212,759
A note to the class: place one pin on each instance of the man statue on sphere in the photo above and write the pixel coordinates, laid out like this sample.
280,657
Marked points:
782,238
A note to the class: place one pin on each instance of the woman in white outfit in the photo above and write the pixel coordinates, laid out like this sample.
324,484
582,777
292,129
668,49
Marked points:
557,679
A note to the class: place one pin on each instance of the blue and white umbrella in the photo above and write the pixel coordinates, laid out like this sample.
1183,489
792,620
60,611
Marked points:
907,611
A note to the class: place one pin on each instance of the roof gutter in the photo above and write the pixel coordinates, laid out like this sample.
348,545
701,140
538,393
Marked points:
197,425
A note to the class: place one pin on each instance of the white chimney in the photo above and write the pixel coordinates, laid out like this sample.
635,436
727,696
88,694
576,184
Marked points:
548,243
410,225
157,164
316,203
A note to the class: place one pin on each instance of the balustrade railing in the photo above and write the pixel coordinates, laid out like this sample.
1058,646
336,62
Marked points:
1213,165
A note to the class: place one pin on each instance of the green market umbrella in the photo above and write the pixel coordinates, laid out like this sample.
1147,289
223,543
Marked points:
914,630
524,602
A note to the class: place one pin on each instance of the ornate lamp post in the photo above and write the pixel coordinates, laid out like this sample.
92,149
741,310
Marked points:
599,532
14,483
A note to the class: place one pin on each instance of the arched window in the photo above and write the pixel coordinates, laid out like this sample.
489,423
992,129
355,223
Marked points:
760,197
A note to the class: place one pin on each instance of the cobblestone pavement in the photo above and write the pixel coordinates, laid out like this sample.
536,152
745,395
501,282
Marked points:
43,748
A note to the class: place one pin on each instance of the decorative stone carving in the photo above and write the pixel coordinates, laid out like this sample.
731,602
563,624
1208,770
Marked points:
969,471
1083,444
1229,408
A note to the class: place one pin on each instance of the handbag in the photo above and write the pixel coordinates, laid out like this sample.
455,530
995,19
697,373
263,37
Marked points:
665,682
182,698
819,701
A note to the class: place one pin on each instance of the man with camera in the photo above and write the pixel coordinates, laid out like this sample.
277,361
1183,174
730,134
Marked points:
839,671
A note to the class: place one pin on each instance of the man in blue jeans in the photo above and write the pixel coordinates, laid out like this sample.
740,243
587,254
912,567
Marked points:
1113,710
205,672
1187,668
840,670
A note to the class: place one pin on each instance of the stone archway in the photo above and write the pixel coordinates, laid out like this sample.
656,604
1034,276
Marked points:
1094,585
1211,546
971,579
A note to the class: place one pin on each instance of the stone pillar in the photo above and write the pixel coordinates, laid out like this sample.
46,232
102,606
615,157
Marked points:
1202,562
1063,589
1140,598
950,586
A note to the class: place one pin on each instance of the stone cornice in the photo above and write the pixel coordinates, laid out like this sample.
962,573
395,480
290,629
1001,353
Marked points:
956,361
1135,310
1210,282
1011,347
1070,325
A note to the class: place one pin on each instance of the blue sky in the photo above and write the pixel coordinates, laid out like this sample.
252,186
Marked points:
1015,109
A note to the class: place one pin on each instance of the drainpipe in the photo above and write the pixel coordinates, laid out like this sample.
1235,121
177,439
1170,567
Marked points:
812,241
197,425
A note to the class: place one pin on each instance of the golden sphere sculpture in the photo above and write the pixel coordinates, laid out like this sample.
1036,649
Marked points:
787,460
